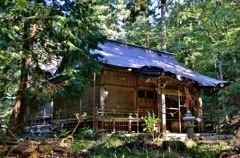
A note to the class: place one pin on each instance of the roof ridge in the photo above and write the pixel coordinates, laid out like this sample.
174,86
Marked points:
138,46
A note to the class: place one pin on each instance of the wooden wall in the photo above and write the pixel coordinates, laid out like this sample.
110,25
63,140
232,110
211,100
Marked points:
121,92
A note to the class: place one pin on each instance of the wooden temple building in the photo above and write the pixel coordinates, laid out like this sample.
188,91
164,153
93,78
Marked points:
134,81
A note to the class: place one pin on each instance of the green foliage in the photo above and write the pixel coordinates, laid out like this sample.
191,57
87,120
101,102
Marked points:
232,93
64,36
170,154
64,133
149,122
174,145
6,105
86,131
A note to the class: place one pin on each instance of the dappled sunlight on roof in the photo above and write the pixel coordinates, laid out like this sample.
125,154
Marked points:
132,56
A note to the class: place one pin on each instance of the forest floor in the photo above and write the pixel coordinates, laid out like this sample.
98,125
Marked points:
120,145
234,121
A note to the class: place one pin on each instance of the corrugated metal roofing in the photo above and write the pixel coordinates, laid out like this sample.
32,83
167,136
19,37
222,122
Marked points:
136,57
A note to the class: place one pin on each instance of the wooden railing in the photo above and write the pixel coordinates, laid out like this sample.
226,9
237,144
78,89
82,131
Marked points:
119,119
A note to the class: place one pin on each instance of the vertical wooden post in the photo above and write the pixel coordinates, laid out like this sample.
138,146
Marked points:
217,113
187,103
102,98
214,108
159,111
129,124
199,110
94,103
179,113
80,106
136,100
161,108
113,125
66,114
51,110
137,124
164,122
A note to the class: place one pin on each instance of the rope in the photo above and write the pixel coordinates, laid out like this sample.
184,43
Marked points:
191,102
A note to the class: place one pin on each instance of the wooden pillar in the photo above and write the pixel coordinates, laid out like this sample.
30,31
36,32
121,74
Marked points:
136,102
113,125
179,113
66,114
161,110
214,109
137,124
101,106
80,106
199,111
164,122
94,103
129,125
217,112
51,109
102,98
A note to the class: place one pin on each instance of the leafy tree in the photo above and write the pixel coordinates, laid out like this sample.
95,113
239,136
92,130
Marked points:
110,16
204,36
41,40
142,24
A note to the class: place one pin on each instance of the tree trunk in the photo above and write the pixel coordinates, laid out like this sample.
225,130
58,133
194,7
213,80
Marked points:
235,64
219,37
148,38
163,25
17,119
222,92
16,124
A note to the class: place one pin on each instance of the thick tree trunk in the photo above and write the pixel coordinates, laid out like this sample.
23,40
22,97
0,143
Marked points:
16,124
163,25
17,119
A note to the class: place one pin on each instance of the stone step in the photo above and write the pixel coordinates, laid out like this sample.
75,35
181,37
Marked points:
200,136
214,142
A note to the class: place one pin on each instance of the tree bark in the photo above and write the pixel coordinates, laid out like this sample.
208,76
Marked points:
17,119
163,25
235,64
219,37
148,38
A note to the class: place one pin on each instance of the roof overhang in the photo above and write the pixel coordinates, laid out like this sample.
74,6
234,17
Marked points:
153,64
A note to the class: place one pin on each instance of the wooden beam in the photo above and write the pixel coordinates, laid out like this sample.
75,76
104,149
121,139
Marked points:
173,92
117,87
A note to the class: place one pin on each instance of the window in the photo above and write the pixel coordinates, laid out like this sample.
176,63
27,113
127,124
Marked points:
150,95
141,94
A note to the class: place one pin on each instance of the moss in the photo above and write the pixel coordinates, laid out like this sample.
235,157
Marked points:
174,145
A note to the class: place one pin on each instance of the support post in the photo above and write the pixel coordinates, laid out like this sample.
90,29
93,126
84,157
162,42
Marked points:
102,98
161,108
94,103
164,121
179,113
114,125
130,125
199,111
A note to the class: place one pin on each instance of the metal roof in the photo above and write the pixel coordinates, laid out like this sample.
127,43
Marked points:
131,56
